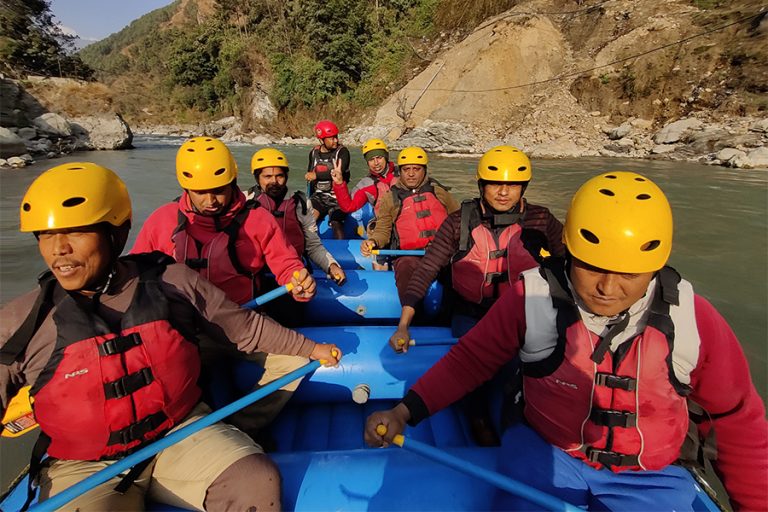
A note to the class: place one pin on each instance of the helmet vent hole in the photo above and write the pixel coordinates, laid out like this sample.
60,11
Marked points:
522,168
607,192
26,207
187,174
610,176
589,236
639,179
73,201
643,197
493,168
191,150
220,172
210,148
649,246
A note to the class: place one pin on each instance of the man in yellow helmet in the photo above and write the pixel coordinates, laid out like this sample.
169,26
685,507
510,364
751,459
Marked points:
486,245
108,346
294,215
409,214
381,176
216,231
613,343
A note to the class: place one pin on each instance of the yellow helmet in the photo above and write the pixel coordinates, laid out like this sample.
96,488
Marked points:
504,163
621,222
372,144
74,195
413,155
203,163
268,157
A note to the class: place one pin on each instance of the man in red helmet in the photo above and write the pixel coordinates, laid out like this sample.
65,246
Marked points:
322,160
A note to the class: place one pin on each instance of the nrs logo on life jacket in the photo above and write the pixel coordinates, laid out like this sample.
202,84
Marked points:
130,386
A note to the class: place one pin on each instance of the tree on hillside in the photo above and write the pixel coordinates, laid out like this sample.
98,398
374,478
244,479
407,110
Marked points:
30,42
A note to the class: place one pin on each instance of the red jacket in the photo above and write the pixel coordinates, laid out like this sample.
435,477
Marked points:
367,190
720,383
260,242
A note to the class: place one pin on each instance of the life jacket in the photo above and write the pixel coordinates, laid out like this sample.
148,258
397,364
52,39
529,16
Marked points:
228,273
287,217
322,165
419,215
624,409
126,387
486,264
383,184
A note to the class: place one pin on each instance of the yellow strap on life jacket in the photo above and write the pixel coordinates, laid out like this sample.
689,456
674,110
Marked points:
19,417
544,253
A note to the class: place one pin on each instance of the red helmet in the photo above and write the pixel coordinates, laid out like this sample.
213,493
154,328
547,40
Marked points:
325,129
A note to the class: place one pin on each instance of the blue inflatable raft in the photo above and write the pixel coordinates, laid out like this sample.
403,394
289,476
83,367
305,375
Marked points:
319,436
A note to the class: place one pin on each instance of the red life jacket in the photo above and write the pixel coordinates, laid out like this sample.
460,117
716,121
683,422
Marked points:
420,214
287,218
486,265
322,165
382,185
122,389
228,273
624,409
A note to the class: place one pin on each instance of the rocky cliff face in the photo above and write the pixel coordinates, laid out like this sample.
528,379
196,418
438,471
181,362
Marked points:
594,81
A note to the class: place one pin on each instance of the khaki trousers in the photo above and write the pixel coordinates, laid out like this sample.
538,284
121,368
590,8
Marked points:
179,475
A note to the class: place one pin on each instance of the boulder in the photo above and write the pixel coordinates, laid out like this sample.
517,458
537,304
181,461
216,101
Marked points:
760,126
726,155
661,149
102,132
673,132
52,124
261,140
758,158
10,144
27,133
17,162
620,131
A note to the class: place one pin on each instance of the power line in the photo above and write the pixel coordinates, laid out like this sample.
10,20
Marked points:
618,61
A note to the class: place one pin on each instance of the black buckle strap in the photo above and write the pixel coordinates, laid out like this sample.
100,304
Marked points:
426,234
609,458
124,386
501,253
610,380
496,277
196,263
611,418
279,214
423,213
120,344
138,430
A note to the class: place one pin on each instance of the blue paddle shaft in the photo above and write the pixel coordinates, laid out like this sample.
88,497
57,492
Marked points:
501,481
263,299
67,495
400,252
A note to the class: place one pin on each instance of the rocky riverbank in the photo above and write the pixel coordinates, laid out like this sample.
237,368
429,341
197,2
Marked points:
30,131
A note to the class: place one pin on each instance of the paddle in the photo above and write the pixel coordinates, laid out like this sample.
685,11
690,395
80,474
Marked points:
263,299
398,252
67,495
428,342
492,477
